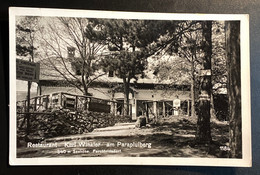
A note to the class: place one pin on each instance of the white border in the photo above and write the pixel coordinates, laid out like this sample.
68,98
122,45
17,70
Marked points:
246,161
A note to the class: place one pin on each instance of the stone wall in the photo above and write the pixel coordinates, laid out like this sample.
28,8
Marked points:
65,122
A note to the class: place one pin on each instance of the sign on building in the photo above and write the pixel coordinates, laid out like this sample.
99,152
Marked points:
27,71
176,103
69,103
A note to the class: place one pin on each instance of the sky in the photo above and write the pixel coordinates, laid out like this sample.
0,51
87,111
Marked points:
22,86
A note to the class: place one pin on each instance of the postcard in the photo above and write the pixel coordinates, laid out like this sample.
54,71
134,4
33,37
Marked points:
129,88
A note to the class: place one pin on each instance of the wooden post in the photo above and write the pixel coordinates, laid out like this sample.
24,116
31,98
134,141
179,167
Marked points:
135,107
112,107
87,103
115,109
35,104
24,106
130,110
155,110
60,99
51,101
39,101
147,112
163,108
188,107
76,102
28,109
47,100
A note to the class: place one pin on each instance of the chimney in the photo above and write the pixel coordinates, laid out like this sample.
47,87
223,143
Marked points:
71,52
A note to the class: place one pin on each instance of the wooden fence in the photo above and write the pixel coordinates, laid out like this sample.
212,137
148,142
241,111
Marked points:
42,105
68,101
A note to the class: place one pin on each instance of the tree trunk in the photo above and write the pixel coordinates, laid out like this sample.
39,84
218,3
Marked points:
192,91
28,116
234,86
84,78
86,91
126,97
203,123
86,104
212,107
28,108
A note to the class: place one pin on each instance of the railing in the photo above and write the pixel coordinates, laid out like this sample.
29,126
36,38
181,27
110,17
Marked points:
43,105
69,101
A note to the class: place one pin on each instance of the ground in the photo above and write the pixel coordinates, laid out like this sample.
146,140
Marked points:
173,136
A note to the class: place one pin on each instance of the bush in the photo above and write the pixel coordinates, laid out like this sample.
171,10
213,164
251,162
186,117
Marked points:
141,121
123,119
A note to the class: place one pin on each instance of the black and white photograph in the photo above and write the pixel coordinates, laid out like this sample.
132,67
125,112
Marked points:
100,87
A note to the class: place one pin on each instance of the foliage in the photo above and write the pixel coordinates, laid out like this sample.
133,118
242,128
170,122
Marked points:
26,36
183,49
221,106
181,58
68,53
219,65
129,44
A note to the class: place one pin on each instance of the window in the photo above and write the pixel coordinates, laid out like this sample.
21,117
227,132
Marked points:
110,73
76,68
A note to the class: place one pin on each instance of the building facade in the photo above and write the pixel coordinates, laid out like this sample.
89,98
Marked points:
147,95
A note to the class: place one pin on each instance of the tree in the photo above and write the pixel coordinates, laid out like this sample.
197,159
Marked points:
26,32
190,49
68,52
26,36
130,43
203,123
219,69
184,45
196,46
234,87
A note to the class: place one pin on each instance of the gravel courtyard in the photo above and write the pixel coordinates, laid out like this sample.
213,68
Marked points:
169,137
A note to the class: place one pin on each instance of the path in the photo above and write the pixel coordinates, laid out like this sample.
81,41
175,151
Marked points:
174,137
119,130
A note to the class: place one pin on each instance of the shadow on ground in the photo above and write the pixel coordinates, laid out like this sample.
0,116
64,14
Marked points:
169,137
